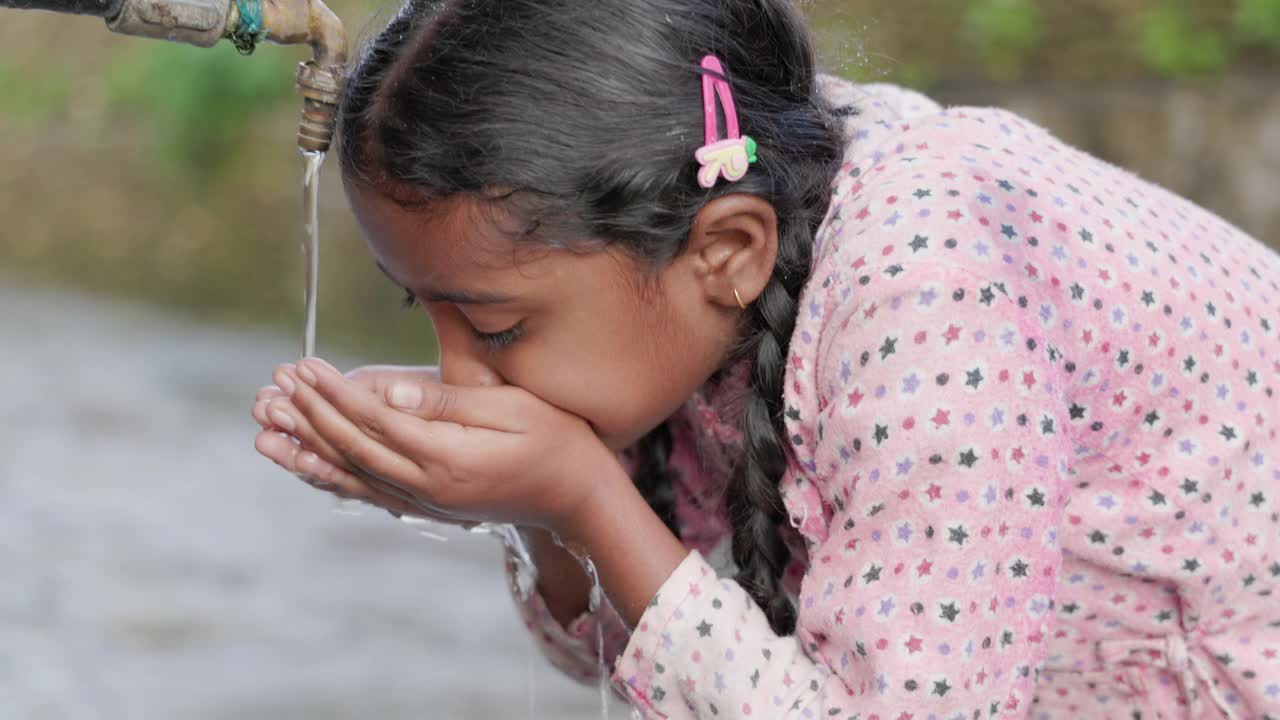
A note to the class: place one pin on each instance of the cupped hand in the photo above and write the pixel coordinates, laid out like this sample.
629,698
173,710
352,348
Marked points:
297,448
472,454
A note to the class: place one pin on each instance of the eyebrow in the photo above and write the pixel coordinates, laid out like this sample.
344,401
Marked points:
457,297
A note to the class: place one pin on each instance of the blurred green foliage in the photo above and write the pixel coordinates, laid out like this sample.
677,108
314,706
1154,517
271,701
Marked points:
1178,39
925,44
1002,32
1174,42
29,102
198,102
1258,21
167,173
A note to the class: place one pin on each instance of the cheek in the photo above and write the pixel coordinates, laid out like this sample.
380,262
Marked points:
615,375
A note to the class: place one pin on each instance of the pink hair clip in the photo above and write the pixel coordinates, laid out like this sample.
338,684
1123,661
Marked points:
729,157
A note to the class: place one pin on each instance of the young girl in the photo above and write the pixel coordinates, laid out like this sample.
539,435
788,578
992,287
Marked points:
861,407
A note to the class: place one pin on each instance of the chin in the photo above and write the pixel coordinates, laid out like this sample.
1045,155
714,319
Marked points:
620,441
616,443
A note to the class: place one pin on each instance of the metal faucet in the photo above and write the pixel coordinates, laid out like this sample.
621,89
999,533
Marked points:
244,22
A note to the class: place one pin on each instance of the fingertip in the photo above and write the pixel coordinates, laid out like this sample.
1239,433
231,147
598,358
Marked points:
312,464
259,413
273,443
261,442
308,371
278,405
272,446
282,419
284,378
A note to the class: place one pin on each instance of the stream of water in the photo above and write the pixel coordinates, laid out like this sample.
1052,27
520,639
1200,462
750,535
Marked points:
506,534
311,245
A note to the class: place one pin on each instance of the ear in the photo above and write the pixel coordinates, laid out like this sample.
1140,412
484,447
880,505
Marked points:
733,245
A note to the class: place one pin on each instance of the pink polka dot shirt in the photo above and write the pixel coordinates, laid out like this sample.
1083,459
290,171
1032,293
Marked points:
1031,403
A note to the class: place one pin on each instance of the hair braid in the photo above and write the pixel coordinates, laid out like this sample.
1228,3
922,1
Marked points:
754,502
651,475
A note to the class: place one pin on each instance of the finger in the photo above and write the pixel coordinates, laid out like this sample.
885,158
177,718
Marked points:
277,447
313,466
309,468
259,413
265,395
268,392
363,452
287,418
321,475
284,415
377,378
501,408
409,436
488,408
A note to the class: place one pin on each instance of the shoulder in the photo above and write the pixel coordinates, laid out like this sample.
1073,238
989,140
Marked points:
873,112
878,100
894,135
962,188
922,271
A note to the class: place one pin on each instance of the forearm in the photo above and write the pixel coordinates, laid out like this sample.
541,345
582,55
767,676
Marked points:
633,550
556,614
562,583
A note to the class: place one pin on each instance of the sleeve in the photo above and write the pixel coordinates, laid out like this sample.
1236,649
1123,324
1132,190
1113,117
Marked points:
574,650
931,458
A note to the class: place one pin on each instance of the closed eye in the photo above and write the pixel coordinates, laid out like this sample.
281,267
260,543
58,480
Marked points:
491,341
499,340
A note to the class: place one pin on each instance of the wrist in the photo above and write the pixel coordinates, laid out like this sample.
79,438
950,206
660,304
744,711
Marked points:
632,549
611,490
561,581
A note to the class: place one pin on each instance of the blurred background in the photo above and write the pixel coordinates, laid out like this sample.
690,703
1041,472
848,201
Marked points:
153,566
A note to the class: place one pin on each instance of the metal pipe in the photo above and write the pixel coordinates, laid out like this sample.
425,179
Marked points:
195,22
205,22
96,8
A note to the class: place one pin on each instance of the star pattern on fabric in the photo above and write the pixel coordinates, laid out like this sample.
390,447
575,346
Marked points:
1029,405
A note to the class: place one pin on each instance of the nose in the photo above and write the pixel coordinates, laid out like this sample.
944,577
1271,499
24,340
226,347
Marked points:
462,362
464,368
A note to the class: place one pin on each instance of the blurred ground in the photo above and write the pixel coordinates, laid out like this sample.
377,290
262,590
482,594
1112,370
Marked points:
154,567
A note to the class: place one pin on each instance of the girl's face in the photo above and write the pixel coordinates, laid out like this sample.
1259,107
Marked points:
589,333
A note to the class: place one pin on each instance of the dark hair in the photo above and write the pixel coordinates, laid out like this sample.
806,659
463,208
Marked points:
586,116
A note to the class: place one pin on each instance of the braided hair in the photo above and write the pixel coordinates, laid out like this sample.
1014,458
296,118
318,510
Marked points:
584,119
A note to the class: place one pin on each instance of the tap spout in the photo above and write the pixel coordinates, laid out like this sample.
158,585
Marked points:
320,79
295,22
